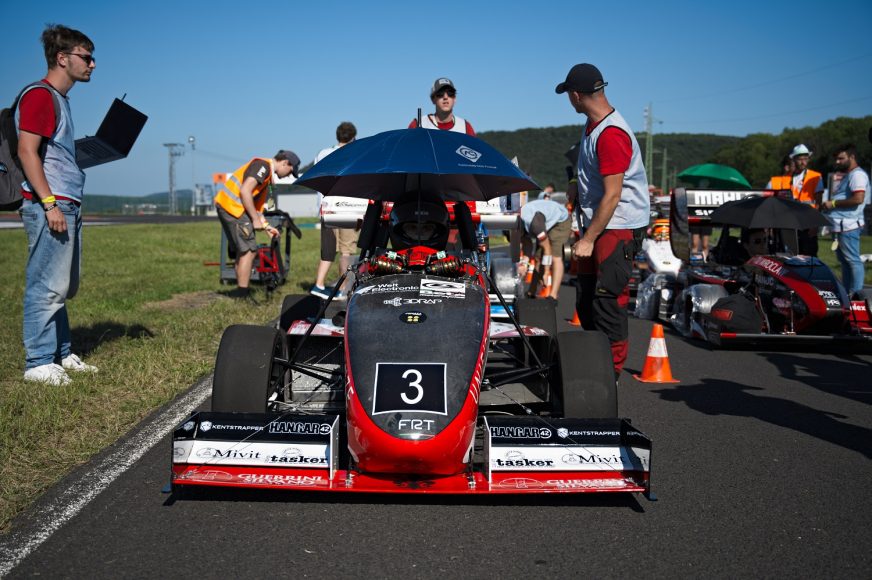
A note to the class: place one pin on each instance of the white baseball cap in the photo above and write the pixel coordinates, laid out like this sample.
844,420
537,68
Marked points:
800,150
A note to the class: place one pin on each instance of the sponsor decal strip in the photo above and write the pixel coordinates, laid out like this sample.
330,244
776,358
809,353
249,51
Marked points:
210,453
565,458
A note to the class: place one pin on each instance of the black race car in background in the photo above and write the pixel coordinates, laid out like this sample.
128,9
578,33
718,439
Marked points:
776,297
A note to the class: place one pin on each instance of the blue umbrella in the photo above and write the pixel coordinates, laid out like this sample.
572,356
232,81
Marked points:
389,165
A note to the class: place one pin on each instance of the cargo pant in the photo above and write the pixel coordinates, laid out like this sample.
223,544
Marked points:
604,291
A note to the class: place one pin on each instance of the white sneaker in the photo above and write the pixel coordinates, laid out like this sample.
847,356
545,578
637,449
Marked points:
74,363
50,374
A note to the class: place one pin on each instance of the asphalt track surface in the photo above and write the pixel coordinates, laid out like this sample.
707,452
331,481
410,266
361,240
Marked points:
761,467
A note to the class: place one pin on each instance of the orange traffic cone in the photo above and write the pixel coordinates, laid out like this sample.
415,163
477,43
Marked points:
531,267
545,290
656,369
576,321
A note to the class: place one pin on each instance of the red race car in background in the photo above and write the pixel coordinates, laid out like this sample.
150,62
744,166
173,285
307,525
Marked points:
772,298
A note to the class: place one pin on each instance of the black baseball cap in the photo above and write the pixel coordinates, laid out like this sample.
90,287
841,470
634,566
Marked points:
583,78
290,157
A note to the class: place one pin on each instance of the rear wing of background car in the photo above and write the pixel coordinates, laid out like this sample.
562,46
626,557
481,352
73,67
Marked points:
691,208
345,212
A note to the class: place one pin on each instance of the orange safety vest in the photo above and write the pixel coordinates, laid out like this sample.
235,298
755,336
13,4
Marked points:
782,182
228,197
809,186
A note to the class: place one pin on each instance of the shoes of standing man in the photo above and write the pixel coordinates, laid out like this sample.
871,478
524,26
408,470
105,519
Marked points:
50,374
320,292
75,364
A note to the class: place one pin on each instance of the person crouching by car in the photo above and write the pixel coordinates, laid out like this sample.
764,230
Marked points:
240,201
549,223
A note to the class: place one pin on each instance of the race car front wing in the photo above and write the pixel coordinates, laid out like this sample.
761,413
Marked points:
517,455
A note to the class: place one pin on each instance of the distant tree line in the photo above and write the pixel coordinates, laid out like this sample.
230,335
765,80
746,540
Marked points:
541,152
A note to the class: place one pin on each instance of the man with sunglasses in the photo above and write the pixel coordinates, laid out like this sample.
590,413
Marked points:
52,191
444,95
613,206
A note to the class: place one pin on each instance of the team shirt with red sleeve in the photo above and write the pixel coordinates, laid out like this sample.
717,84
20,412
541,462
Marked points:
36,112
613,149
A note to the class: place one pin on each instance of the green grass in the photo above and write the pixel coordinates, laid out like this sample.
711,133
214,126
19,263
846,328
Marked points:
148,314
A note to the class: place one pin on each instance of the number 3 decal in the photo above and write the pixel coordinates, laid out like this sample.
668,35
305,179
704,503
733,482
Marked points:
415,384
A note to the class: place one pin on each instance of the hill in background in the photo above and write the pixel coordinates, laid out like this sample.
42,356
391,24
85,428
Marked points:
541,153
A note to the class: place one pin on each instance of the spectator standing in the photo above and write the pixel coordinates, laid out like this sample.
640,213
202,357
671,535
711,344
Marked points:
845,209
613,206
549,223
443,95
240,201
807,187
343,239
51,210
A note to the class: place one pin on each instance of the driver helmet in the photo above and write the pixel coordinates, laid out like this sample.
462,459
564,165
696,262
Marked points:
660,231
420,220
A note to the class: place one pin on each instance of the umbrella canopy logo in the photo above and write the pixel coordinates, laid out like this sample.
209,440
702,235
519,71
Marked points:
470,154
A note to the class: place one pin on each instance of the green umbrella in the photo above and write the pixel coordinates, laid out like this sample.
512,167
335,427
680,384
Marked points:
714,176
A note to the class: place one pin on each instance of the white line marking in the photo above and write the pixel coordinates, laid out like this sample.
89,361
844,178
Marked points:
16,547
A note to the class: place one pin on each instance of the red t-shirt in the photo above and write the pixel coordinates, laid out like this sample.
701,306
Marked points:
36,112
614,150
446,126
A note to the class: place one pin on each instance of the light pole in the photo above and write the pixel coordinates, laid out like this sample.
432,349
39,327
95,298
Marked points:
192,141
174,150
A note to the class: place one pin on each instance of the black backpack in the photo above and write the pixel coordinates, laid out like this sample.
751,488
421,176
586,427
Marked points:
11,173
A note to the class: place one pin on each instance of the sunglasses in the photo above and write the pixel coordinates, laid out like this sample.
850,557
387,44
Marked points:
443,92
85,57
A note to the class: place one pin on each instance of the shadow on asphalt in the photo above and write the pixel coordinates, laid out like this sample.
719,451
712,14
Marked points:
839,377
592,500
718,397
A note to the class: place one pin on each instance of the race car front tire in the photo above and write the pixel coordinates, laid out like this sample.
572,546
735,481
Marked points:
584,386
246,374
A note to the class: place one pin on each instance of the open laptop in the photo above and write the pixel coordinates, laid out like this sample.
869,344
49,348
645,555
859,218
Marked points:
115,137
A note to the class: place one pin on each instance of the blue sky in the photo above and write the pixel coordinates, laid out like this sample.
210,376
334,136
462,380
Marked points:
247,80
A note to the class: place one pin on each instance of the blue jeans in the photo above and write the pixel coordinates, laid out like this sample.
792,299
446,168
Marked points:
848,254
52,276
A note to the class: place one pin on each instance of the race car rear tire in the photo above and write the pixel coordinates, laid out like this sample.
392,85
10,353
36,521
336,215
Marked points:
245,372
538,312
584,383
298,307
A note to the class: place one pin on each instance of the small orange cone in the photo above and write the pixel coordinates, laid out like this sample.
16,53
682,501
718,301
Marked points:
545,290
576,321
656,369
531,266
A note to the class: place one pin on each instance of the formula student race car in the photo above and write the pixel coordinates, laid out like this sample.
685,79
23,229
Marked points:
769,298
413,387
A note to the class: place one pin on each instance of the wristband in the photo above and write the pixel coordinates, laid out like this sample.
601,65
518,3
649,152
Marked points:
834,203
547,259
573,181
48,199
48,208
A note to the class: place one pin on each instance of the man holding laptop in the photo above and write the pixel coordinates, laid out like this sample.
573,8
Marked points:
53,189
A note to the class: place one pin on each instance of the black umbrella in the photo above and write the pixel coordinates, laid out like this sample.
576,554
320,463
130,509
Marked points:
769,212
389,165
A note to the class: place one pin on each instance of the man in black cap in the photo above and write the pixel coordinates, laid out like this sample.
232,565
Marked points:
444,95
613,207
240,201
